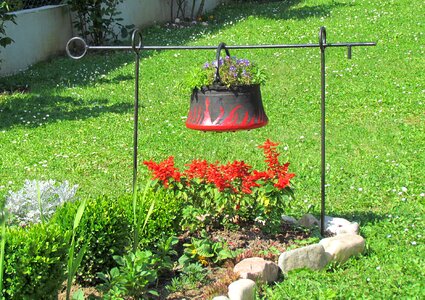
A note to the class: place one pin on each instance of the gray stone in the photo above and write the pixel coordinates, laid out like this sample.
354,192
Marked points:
289,220
310,257
257,268
309,221
242,289
335,226
341,247
220,298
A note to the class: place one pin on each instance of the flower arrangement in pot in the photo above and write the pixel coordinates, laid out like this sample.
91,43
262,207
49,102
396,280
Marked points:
226,95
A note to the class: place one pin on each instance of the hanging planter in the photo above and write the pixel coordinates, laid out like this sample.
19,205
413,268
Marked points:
229,100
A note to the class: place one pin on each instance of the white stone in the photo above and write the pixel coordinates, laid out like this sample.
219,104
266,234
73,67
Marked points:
335,226
257,268
341,247
289,220
177,21
311,257
220,298
242,289
308,220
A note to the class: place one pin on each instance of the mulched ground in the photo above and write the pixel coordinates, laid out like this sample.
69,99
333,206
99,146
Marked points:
252,241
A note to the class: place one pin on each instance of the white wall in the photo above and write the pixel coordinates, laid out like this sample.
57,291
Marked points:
43,32
146,12
39,34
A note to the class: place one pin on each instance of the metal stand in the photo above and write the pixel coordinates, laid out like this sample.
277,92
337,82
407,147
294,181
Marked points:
139,47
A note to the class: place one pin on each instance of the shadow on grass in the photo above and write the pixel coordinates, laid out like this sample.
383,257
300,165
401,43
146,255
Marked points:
361,217
35,111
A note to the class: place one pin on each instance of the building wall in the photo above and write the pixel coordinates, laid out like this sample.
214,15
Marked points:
43,32
39,33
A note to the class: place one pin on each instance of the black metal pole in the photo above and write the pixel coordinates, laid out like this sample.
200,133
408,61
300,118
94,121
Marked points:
136,103
322,42
141,47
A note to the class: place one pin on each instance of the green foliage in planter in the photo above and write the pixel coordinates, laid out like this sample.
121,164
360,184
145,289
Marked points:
35,259
105,229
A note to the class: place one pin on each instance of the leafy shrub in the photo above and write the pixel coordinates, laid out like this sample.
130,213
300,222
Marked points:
133,276
164,220
38,200
190,277
97,19
35,259
105,229
5,16
205,251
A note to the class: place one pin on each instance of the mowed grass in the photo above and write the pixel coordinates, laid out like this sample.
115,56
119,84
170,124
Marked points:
76,124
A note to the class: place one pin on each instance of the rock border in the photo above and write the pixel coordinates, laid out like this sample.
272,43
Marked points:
343,242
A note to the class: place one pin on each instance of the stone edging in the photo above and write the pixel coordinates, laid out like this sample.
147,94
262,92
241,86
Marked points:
343,243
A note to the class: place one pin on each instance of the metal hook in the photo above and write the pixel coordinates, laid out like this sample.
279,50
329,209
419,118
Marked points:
322,38
349,52
136,34
74,39
220,47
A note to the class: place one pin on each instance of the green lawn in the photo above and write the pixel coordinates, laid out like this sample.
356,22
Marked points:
76,124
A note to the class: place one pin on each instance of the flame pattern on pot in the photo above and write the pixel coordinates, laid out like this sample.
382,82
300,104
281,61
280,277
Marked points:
218,110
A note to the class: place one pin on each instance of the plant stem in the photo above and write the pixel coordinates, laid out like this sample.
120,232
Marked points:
40,207
2,248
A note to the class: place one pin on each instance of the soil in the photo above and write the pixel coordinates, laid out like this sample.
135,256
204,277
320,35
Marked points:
252,241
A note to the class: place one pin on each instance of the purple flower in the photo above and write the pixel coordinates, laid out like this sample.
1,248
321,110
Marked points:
206,65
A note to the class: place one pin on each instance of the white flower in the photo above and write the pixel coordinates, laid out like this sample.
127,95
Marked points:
404,189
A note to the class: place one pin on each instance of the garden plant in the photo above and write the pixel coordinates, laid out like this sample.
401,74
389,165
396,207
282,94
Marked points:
74,123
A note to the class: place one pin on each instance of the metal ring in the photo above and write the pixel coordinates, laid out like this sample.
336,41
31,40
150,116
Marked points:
136,33
322,38
69,51
220,47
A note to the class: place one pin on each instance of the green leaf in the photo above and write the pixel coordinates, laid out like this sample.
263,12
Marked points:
78,295
79,214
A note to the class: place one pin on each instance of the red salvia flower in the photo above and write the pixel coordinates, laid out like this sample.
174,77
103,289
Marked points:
237,176
271,155
164,171
283,180
197,169
215,176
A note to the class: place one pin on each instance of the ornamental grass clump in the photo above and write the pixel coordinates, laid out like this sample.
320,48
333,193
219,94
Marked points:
228,194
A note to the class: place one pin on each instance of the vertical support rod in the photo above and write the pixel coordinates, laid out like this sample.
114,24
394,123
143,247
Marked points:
136,48
349,52
136,120
322,43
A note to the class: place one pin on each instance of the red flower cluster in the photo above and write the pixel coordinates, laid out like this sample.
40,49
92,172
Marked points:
164,171
274,168
236,176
